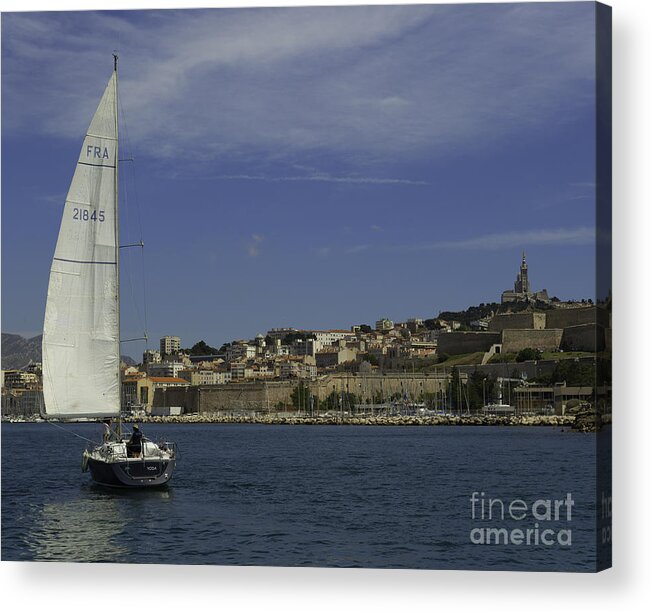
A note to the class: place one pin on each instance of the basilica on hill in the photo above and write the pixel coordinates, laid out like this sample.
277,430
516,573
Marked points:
522,288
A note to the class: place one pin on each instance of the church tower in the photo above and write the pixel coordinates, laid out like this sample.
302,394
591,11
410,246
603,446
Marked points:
522,289
522,282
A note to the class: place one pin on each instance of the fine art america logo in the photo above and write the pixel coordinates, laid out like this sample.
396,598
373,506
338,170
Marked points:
542,522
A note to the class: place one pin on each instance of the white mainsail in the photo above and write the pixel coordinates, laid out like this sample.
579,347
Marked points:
81,344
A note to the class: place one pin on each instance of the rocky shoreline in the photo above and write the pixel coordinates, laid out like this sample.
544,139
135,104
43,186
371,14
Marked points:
586,421
441,420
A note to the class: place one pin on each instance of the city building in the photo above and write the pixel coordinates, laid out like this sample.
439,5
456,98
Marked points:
334,356
240,370
170,345
166,368
151,356
413,325
199,377
240,350
20,379
138,391
384,325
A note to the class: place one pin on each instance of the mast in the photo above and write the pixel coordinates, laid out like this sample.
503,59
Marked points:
117,239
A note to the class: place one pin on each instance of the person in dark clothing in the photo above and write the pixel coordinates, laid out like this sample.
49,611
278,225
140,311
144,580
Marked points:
134,443
106,430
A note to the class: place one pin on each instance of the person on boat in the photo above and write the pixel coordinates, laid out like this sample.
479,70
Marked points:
107,432
134,443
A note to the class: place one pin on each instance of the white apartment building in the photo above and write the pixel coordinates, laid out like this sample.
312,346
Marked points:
166,368
170,344
240,350
329,337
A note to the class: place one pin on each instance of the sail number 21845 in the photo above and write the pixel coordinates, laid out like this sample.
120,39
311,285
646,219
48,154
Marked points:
83,214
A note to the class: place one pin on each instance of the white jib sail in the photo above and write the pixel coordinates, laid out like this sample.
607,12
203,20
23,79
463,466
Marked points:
81,345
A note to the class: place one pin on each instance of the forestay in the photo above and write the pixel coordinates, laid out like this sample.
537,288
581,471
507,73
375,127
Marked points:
81,344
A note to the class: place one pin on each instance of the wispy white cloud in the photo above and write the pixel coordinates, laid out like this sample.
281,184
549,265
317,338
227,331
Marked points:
321,178
253,248
53,199
365,83
358,248
508,240
376,228
573,193
575,236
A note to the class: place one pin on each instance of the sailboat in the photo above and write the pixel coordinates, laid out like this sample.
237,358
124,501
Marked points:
81,331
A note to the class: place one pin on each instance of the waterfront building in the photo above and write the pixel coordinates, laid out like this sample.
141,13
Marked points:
539,399
138,391
20,379
21,402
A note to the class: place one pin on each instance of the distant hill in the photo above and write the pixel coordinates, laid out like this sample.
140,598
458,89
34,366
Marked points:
18,351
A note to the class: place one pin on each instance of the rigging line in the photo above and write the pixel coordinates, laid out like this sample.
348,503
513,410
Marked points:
139,219
126,207
70,432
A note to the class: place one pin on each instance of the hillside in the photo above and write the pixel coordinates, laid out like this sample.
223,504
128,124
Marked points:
18,351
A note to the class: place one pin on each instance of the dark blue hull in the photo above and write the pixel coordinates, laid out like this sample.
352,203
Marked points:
132,474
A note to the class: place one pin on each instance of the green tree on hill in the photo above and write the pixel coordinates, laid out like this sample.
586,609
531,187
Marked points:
528,354
201,348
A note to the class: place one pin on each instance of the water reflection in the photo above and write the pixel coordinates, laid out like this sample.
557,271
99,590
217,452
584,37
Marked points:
92,528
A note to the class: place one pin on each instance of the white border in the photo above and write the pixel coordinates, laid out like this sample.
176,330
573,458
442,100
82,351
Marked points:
56,586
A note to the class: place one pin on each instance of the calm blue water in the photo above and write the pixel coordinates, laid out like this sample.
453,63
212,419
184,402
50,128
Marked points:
302,496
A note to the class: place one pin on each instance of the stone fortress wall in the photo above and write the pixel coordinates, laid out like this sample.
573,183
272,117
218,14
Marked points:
515,340
456,343
581,328
517,320
260,395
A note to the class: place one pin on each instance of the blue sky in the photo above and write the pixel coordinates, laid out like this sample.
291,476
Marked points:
313,167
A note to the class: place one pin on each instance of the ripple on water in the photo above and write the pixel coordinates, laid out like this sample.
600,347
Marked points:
317,496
